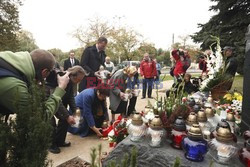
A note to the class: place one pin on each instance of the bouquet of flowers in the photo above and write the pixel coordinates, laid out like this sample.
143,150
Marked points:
216,70
119,131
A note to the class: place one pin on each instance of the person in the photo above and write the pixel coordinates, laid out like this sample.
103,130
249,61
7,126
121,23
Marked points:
133,83
23,69
109,65
148,73
92,104
92,58
231,63
178,56
18,71
77,73
70,62
118,103
158,69
189,88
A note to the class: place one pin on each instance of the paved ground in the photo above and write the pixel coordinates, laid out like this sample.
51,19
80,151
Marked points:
82,146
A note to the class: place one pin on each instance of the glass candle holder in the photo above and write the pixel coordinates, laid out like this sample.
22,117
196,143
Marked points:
136,129
194,146
156,132
178,133
222,148
191,119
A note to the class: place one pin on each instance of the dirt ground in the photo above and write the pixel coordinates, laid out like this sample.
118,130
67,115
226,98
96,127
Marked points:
82,146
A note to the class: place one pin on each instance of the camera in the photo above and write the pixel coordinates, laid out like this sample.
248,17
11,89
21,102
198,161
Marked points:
51,80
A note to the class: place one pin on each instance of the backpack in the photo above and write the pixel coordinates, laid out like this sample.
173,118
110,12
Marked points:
7,70
187,63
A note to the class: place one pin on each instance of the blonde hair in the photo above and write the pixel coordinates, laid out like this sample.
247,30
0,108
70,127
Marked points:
75,70
130,70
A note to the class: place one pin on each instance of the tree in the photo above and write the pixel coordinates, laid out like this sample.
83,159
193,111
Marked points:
122,40
59,54
9,24
26,42
229,24
87,35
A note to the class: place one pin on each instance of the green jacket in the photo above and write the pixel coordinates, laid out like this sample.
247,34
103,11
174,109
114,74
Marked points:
11,88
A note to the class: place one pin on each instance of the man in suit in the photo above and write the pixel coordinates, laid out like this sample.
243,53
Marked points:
71,61
92,58
68,63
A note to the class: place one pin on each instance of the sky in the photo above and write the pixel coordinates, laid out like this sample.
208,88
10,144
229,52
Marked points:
52,21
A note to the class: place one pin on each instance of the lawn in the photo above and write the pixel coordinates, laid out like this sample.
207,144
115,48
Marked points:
238,83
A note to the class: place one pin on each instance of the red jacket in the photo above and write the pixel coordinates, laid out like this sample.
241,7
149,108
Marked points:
148,69
178,70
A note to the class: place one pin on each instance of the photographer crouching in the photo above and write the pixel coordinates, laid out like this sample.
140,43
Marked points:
76,74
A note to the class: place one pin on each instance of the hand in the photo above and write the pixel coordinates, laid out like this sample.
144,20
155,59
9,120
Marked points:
122,95
71,120
142,77
98,133
154,77
97,74
63,80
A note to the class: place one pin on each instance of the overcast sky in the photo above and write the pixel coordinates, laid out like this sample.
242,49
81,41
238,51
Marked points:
52,21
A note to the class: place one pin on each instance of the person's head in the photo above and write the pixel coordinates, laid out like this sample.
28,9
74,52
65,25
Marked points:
107,60
43,62
146,57
130,71
228,51
72,55
102,43
187,77
77,73
102,91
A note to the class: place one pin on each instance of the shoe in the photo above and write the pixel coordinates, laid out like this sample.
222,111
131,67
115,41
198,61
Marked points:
143,98
65,144
150,97
54,150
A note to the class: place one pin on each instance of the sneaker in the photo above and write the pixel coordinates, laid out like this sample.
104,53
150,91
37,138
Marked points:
143,98
54,150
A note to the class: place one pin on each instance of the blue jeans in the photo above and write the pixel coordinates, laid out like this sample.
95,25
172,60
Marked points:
147,84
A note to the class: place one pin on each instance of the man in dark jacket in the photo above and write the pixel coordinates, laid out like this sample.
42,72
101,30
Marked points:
71,61
92,58
231,63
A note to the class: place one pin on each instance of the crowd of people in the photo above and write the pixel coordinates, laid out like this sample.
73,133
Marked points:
98,79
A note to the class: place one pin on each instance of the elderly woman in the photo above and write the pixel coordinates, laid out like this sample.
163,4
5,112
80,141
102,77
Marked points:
118,83
92,104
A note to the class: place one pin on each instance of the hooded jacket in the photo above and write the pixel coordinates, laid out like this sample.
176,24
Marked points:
148,69
14,92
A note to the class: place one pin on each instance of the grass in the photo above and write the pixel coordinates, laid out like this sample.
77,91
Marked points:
238,83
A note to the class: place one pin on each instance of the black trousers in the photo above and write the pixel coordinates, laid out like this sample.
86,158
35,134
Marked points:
59,131
147,84
131,106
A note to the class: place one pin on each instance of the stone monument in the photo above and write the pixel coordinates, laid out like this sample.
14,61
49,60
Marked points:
245,122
